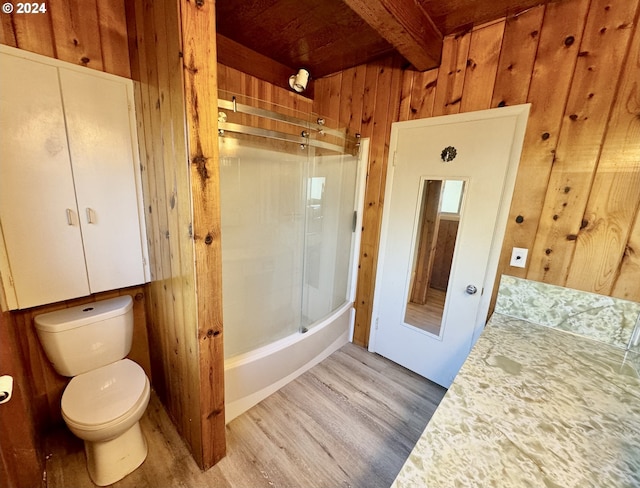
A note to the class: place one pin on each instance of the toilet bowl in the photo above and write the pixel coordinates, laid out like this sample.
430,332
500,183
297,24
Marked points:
108,394
103,407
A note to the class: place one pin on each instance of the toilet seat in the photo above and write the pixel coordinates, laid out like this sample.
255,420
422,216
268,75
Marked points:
105,396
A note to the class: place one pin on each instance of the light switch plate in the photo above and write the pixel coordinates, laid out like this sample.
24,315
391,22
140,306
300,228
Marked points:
519,257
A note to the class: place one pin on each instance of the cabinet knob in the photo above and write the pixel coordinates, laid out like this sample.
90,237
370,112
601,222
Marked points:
69,216
90,219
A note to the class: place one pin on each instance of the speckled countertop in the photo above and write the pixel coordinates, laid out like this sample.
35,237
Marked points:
533,407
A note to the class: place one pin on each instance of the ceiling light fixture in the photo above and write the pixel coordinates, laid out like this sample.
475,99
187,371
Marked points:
299,81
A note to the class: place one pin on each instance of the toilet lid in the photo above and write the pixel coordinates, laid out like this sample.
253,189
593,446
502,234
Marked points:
104,394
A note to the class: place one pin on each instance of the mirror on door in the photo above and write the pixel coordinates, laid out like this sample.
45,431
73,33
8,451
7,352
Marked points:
435,242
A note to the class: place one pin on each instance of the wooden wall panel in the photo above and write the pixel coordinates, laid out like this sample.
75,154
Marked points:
482,67
406,90
330,97
602,50
575,63
7,31
614,198
169,328
351,89
113,37
174,64
22,460
418,94
555,62
91,33
385,100
73,22
29,32
178,202
622,145
451,74
626,285
518,53
168,300
147,156
235,55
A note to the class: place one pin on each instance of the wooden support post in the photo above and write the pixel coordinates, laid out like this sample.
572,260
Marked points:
201,91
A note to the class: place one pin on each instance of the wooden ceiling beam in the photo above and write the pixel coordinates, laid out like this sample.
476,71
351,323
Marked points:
405,25
237,56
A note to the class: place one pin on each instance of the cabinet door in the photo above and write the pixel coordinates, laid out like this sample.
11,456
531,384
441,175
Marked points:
38,210
100,142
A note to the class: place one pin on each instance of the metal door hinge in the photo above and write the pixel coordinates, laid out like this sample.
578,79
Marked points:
395,157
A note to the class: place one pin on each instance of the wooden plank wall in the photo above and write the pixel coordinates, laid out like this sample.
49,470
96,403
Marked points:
91,33
166,192
22,460
239,83
173,62
577,193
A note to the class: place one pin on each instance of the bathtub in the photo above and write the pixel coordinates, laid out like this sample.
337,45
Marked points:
252,377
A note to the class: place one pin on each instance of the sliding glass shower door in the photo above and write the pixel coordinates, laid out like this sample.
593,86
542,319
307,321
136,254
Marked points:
262,201
287,228
330,200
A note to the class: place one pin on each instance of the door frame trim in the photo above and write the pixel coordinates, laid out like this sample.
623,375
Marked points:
521,112
361,182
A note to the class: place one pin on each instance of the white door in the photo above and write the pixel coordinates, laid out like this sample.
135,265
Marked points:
483,149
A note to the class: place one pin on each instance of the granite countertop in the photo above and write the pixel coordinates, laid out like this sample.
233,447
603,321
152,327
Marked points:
533,407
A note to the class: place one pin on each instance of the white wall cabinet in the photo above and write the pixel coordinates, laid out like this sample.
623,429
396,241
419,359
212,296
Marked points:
71,211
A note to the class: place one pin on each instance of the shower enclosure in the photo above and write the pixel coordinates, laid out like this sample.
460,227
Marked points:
288,206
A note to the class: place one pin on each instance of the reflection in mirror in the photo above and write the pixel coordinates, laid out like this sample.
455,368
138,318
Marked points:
435,242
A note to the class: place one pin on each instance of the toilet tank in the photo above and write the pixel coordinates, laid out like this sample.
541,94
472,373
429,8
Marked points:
82,338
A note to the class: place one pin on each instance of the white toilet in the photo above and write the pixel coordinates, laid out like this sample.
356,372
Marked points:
105,399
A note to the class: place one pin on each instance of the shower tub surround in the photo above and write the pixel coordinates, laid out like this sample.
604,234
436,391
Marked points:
534,405
288,247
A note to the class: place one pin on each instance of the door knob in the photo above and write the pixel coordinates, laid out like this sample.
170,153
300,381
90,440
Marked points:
471,290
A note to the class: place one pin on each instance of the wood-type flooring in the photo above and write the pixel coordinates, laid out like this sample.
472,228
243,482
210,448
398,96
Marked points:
351,421
428,316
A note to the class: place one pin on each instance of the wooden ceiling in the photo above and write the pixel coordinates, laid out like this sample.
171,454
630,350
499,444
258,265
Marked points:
326,36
